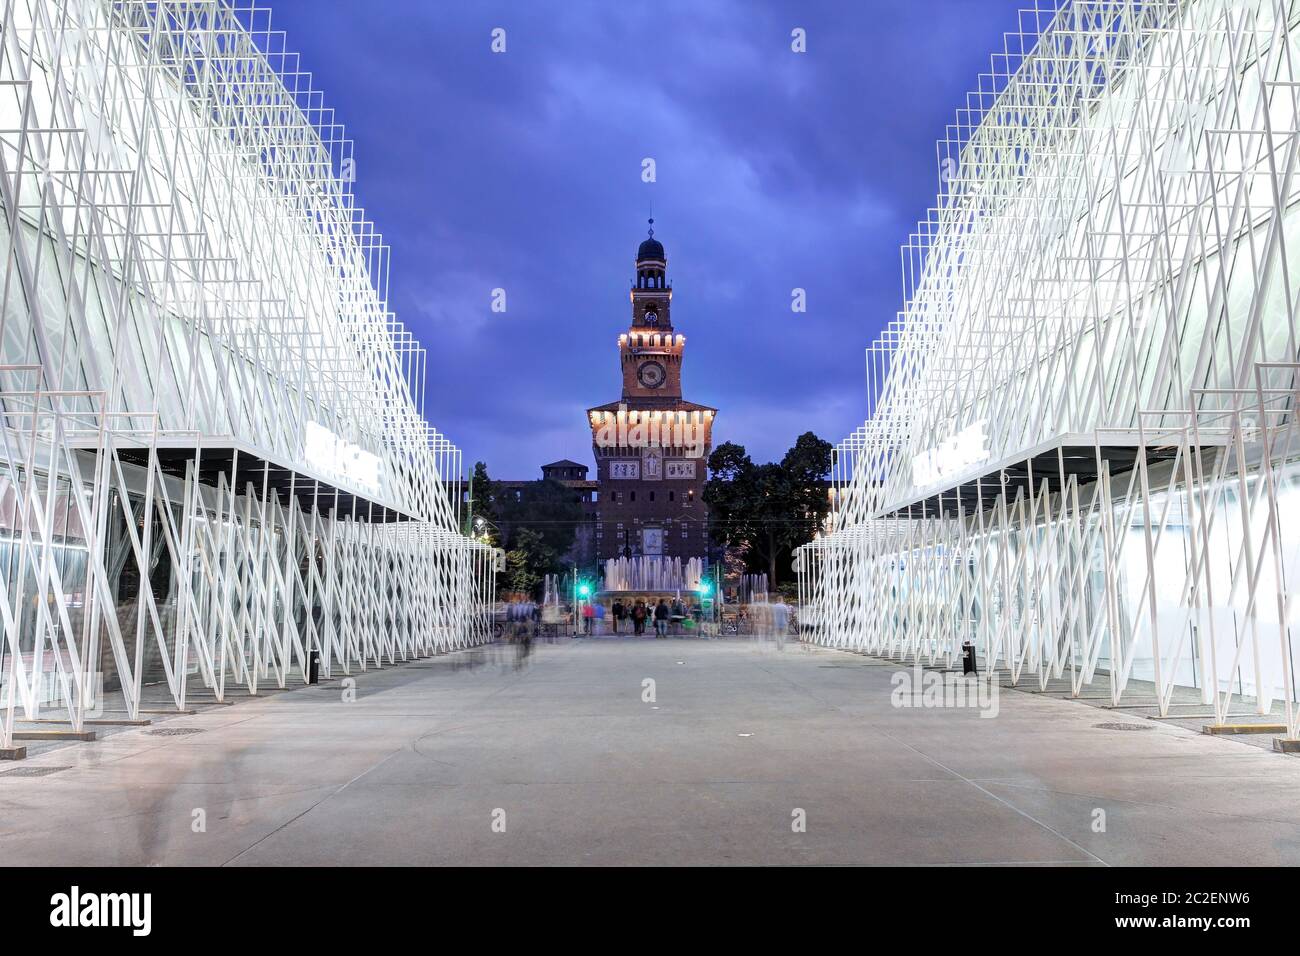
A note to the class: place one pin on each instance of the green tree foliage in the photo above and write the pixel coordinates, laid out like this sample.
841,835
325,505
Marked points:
528,561
547,509
480,488
806,466
768,509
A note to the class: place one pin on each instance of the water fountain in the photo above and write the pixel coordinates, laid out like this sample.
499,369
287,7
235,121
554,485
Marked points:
657,574
752,589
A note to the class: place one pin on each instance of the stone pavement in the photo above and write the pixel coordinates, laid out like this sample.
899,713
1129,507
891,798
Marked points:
562,748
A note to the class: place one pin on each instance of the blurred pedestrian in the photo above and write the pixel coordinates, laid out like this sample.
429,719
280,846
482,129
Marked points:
661,618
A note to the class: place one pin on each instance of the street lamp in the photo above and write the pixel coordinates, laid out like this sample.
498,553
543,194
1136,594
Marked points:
481,526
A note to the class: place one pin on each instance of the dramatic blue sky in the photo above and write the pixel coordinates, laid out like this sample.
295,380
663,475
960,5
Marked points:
522,171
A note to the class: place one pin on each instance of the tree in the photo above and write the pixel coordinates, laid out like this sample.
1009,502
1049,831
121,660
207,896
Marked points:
751,508
545,507
734,559
526,561
480,499
771,508
806,466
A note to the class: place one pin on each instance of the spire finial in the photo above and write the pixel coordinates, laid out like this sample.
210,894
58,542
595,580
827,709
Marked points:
652,217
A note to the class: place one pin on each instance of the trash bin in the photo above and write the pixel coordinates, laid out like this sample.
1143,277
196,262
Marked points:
967,658
313,667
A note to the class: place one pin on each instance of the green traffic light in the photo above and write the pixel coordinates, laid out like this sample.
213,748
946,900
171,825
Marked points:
705,588
584,590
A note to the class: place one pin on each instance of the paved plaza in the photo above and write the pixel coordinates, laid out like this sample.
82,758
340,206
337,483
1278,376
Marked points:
433,759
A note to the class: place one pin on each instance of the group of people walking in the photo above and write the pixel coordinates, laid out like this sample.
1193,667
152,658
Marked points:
659,614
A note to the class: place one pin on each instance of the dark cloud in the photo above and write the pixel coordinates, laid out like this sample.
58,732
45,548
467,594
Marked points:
522,171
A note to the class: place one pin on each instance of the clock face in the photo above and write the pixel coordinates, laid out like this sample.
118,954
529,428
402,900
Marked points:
651,375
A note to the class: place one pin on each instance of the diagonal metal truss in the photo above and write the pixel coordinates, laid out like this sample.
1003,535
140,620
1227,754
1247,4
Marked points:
1082,453
213,460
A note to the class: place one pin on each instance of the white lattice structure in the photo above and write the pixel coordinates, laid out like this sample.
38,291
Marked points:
212,457
1082,454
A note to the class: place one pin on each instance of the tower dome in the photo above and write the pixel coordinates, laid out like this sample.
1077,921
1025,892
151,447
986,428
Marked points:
650,248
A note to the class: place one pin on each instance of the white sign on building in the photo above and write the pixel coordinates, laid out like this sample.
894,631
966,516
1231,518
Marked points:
339,459
962,450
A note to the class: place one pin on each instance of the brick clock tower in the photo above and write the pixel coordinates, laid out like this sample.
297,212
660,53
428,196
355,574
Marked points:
651,445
